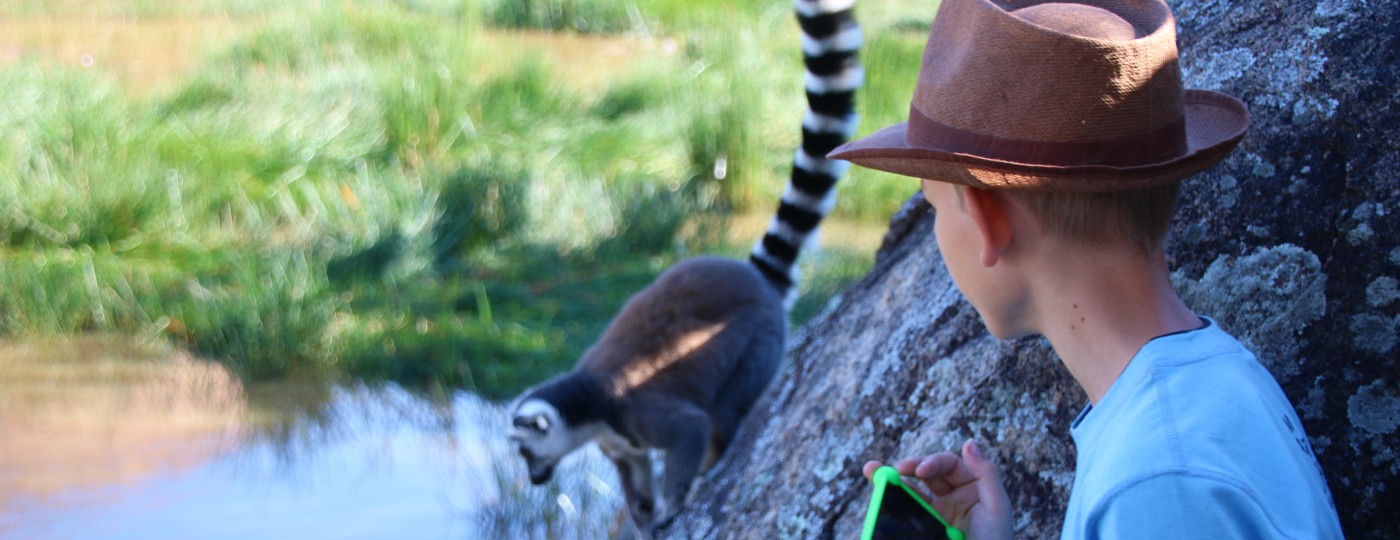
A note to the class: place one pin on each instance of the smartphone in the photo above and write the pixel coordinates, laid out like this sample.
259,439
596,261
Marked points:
898,513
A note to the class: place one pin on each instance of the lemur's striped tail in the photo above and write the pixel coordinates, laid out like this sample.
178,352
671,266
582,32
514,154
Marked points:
831,42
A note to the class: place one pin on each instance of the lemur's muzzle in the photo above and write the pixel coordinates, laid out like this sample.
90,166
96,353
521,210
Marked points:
540,474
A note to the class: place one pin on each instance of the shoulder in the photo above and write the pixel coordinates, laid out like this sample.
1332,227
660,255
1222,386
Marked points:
1197,400
1184,503
1213,395
1207,379
1198,421
1177,391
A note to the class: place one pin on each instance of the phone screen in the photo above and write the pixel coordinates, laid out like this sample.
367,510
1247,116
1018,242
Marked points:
901,517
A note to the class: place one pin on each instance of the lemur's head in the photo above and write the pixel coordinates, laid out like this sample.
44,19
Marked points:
541,437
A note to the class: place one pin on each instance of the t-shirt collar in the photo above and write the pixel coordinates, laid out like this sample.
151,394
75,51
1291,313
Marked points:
1134,371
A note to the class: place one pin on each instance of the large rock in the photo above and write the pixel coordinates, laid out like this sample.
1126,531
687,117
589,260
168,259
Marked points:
1290,244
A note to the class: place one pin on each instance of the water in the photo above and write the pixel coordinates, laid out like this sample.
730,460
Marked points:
104,438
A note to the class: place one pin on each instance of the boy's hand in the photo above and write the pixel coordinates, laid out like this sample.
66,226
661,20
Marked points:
967,490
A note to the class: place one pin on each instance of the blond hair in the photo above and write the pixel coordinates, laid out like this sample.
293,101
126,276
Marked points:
1134,219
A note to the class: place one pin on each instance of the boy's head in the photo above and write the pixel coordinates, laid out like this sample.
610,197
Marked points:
1025,95
1072,112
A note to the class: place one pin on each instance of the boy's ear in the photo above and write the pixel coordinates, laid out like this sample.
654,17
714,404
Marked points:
990,211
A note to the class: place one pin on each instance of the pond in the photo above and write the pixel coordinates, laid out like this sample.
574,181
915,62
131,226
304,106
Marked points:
113,438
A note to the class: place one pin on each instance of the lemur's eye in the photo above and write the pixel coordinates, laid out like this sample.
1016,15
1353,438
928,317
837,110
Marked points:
536,423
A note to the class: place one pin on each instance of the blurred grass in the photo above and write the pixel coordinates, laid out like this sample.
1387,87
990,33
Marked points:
438,192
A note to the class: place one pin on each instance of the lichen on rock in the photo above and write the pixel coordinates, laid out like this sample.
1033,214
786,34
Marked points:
1375,408
1265,299
1374,332
1383,291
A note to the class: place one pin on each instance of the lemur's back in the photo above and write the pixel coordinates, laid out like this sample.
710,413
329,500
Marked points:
699,316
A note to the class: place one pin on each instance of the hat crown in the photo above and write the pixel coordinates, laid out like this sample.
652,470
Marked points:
1078,19
1089,83
1064,95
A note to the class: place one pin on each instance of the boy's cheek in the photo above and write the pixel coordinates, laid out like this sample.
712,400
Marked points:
926,188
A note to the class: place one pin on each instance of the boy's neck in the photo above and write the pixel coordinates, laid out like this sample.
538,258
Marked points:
1100,308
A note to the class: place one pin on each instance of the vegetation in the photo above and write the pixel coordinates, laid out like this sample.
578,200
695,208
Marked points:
418,190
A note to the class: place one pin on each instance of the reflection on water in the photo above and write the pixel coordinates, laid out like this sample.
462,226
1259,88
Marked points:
105,438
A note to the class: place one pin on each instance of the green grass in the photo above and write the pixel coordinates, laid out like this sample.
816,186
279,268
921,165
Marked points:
400,190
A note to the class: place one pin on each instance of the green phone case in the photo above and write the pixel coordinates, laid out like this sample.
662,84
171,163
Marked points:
886,478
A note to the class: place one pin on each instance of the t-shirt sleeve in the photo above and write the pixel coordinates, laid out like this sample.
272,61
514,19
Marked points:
1181,505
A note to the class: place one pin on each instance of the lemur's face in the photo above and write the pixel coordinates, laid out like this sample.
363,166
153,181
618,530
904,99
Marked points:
541,438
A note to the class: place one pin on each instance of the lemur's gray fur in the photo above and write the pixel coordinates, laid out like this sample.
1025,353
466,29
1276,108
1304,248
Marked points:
676,370
683,362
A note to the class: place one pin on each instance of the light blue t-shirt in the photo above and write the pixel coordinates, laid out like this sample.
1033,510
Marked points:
1196,440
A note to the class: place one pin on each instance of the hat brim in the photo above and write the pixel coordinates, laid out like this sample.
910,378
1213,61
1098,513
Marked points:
1215,123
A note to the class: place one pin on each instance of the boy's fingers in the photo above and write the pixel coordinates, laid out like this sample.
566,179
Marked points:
977,464
909,468
944,472
869,469
938,486
906,466
990,491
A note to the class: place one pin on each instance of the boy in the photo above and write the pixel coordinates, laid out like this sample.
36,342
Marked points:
1051,140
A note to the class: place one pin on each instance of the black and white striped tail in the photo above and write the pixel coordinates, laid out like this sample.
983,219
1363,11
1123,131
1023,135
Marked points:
831,42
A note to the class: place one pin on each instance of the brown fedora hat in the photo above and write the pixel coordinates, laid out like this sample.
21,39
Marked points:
1023,94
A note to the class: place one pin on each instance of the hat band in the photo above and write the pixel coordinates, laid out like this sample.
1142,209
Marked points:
1154,146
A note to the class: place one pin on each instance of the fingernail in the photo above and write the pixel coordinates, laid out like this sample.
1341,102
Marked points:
973,449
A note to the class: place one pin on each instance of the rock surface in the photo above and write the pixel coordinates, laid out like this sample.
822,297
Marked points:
1290,244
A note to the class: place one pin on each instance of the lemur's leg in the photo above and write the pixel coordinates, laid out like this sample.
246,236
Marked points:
634,473
751,376
683,433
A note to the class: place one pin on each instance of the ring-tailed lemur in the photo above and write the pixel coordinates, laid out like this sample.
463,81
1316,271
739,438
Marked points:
685,359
